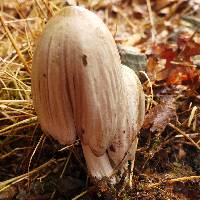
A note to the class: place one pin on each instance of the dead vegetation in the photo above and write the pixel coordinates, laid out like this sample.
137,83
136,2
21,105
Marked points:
33,166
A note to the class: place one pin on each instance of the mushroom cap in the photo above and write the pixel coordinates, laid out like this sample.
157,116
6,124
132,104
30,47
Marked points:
124,144
77,81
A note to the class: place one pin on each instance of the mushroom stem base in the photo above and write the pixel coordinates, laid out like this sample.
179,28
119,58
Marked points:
98,167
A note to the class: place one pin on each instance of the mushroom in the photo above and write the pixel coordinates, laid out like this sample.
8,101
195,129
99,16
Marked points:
80,89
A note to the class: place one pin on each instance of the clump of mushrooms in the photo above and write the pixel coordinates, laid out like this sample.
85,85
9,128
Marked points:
80,89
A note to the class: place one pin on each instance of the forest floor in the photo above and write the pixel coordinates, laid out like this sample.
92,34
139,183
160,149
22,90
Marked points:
35,167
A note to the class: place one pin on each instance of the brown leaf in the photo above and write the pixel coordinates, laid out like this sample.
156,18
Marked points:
179,68
165,51
160,115
184,75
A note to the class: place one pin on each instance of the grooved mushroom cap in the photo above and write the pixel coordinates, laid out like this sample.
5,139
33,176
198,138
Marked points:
124,144
77,81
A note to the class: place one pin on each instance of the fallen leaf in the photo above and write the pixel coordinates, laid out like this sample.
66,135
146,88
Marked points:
160,115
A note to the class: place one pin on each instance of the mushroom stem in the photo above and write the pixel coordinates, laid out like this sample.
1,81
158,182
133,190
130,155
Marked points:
100,166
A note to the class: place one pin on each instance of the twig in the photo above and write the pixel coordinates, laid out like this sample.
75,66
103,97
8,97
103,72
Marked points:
25,121
192,115
187,178
80,195
15,101
48,7
21,57
40,9
153,30
150,98
16,79
185,135
42,138
12,152
70,146
14,89
191,135
16,110
21,20
23,17
12,181
11,132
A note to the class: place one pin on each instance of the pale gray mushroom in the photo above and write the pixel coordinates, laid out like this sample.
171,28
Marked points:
80,89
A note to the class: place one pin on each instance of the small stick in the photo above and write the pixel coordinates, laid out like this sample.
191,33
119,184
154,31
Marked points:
21,57
12,181
153,30
80,195
20,20
25,121
40,8
185,135
43,137
151,98
191,135
15,101
47,7
23,17
192,115
131,175
187,178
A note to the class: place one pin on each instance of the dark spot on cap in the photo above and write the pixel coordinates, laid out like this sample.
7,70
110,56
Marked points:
112,148
44,75
82,131
84,60
124,131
